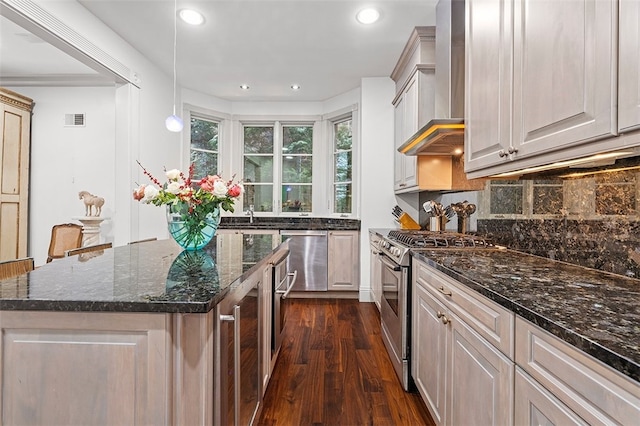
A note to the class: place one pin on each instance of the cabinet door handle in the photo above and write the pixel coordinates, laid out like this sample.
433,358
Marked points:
502,153
512,150
235,318
439,314
445,320
443,291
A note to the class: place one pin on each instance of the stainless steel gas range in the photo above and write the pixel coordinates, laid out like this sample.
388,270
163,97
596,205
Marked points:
395,257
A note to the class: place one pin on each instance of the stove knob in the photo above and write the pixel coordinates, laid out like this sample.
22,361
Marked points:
395,251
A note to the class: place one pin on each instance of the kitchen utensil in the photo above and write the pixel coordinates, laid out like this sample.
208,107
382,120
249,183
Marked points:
428,207
449,212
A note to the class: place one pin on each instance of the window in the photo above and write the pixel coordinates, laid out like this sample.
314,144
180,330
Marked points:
297,170
258,167
204,146
343,166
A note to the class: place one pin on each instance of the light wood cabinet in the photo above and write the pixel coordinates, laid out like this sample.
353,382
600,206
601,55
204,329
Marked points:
596,393
430,342
524,109
629,66
413,107
15,140
537,406
344,260
375,269
79,368
461,376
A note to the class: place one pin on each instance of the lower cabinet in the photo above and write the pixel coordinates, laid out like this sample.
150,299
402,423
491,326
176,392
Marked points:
561,385
463,379
344,260
534,405
375,265
476,363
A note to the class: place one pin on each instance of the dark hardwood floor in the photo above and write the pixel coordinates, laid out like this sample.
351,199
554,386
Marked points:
333,369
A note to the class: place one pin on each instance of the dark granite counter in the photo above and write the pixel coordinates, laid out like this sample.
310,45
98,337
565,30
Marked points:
153,276
290,223
594,311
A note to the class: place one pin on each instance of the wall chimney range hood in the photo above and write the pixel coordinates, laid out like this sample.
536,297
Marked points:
444,134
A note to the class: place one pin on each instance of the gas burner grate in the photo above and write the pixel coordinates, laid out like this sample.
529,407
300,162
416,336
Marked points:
429,239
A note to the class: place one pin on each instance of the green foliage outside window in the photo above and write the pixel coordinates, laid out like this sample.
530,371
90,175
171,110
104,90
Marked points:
204,147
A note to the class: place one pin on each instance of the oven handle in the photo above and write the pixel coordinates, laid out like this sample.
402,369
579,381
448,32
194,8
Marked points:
392,266
286,292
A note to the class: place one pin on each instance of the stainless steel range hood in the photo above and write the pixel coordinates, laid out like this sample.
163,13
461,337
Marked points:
444,135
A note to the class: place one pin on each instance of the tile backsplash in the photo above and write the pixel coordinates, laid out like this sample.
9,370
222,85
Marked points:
589,217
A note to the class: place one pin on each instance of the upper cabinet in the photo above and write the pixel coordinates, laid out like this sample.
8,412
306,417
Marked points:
541,79
414,103
411,111
629,66
414,107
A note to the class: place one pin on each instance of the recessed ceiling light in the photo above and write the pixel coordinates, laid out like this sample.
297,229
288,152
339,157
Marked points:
191,17
244,86
295,87
368,16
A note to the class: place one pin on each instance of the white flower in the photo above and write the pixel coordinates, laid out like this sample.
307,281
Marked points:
173,174
173,187
150,192
220,188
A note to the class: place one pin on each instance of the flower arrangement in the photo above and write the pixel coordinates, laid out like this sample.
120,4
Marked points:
192,205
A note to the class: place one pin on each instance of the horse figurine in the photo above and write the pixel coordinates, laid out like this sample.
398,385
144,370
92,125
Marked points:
91,202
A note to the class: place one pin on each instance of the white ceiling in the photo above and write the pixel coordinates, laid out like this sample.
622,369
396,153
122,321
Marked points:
267,44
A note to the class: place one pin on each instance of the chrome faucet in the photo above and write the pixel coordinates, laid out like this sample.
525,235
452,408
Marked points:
250,213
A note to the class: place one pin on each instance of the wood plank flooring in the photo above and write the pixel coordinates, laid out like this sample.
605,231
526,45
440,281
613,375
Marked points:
333,369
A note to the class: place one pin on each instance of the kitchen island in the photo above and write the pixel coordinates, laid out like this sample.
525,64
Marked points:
127,336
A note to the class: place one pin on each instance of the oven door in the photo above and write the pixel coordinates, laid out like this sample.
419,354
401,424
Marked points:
394,316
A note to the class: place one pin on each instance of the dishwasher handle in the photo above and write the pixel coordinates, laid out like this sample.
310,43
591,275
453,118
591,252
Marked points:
286,292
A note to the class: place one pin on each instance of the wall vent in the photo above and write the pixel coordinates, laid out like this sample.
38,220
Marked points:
74,120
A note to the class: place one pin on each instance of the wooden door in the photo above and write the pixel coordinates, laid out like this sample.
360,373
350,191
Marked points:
629,66
564,74
488,82
15,128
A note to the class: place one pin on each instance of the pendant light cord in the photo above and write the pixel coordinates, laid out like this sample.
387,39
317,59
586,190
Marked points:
175,44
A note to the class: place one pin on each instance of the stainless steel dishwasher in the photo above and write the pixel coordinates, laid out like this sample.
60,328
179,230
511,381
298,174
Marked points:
308,256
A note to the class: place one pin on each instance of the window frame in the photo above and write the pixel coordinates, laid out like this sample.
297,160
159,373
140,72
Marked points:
329,120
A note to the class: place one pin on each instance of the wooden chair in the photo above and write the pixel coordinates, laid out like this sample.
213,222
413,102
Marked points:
143,241
87,249
64,237
13,268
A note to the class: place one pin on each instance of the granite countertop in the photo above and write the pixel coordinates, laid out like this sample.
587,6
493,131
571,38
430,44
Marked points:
154,276
290,223
594,311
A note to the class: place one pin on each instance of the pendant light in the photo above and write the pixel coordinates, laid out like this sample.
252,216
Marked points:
173,122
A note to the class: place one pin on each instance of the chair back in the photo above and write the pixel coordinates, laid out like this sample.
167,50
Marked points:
88,249
64,237
13,268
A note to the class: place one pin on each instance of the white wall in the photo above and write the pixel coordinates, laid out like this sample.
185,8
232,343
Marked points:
131,128
66,160
376,171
